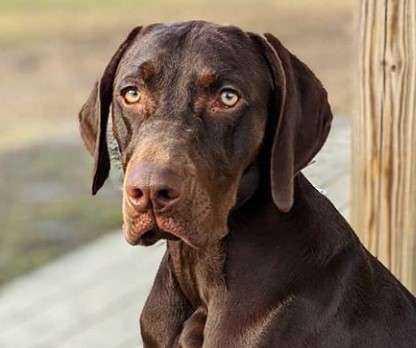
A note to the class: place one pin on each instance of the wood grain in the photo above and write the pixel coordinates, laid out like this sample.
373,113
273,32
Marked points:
383,189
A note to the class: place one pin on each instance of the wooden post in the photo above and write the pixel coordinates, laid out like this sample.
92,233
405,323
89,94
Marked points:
383,209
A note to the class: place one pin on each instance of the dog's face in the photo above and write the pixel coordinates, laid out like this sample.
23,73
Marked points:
190,103
189,110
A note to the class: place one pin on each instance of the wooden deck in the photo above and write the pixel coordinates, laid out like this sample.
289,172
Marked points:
93,297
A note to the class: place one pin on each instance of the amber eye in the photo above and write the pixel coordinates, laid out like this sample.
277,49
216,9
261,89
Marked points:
131,95
229,98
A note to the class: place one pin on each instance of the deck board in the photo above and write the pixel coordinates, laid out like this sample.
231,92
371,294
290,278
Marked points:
93,296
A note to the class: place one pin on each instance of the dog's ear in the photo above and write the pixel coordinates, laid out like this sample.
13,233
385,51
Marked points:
89,118
303,118
94,114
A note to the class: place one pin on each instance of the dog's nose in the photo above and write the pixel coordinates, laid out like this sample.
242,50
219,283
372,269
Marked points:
150,185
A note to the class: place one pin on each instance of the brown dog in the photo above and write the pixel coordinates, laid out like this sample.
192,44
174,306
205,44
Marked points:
214,125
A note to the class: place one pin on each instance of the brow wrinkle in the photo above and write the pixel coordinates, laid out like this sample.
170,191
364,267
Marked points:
147,70
206,78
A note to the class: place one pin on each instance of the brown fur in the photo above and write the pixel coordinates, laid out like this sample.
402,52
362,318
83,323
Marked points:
206,78
147,70
255,257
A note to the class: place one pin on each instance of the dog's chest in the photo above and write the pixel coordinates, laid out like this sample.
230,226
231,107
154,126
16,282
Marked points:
199,273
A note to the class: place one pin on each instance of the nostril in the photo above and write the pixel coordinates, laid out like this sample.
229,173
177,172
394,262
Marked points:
135,193
139,198
167,194
165,197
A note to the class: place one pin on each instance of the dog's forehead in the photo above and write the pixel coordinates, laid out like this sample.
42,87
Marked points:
195,45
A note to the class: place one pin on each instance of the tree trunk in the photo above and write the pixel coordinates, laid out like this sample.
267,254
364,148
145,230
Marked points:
383,209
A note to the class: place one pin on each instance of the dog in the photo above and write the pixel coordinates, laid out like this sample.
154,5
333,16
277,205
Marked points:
214,125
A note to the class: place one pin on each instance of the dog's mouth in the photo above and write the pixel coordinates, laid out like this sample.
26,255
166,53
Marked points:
152,236
147,229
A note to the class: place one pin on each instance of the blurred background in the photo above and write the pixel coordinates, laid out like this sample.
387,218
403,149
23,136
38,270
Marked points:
52,51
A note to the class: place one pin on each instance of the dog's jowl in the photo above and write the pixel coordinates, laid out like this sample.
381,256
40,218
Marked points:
214,125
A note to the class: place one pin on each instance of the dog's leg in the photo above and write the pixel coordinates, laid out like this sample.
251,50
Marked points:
165,311
192,335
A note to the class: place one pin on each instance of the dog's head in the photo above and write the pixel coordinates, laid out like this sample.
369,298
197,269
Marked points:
190,106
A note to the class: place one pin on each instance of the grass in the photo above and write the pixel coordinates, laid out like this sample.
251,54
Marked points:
53,51
46,209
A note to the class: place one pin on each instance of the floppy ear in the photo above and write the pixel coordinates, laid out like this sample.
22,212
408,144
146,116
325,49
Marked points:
89,118
93,116
303,115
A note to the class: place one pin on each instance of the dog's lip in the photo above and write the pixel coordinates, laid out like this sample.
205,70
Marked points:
151,232
151,236
160,234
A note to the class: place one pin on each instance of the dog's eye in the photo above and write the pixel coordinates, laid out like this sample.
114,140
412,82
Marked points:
229,98
131,95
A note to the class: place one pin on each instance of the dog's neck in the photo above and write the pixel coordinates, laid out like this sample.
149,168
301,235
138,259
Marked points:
281,241
199,272
312,218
